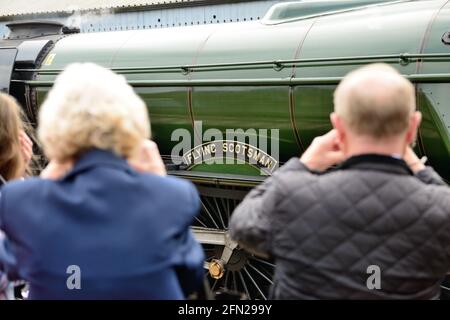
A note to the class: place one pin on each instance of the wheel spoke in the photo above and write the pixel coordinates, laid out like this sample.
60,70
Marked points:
226,208
227,274
254,283
244,285
203,225
214,209
260,273
234,281
264,262
209,214
219,212
214,285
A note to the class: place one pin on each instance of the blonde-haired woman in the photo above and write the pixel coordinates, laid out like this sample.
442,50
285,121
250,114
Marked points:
100,228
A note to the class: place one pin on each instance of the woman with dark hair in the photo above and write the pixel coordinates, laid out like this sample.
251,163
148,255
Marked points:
16,148
16,151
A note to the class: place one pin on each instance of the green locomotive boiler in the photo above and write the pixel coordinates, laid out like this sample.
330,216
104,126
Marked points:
272,81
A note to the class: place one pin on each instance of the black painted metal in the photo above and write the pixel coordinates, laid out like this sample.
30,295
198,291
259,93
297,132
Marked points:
7,58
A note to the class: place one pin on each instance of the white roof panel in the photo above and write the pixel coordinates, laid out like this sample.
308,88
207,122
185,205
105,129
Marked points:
26,7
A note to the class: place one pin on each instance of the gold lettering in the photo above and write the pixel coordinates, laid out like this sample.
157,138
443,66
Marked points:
194,154
261,160
250,153
207,150
187,158
269,163
256,156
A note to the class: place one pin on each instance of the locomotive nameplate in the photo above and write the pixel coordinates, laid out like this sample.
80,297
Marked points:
230,152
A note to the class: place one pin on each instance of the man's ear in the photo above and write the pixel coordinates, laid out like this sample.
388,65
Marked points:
336,121
414,124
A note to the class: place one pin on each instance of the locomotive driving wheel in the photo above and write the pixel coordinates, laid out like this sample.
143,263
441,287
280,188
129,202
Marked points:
228,267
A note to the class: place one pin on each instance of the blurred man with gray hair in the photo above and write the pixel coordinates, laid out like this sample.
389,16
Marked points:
358,216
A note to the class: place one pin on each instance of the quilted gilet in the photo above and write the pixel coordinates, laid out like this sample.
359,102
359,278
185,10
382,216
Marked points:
328,232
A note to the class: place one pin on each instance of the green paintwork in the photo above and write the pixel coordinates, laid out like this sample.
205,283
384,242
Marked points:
231,103
167,111
290,11
434,129
228,76
312,110
238,169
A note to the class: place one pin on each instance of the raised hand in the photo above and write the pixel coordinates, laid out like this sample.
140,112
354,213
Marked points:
26,147
323,152
148,160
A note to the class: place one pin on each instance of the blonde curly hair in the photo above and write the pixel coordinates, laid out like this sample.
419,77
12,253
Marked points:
91,107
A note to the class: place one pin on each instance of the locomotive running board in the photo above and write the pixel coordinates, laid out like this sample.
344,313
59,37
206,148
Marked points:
219,179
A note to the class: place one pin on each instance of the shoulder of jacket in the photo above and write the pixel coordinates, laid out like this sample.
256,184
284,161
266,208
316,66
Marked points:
15,192
440,193
170,185
31,184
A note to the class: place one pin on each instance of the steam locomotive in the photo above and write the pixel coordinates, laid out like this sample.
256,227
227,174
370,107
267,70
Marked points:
273,79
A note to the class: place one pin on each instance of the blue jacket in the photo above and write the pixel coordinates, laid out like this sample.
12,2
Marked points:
128,233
